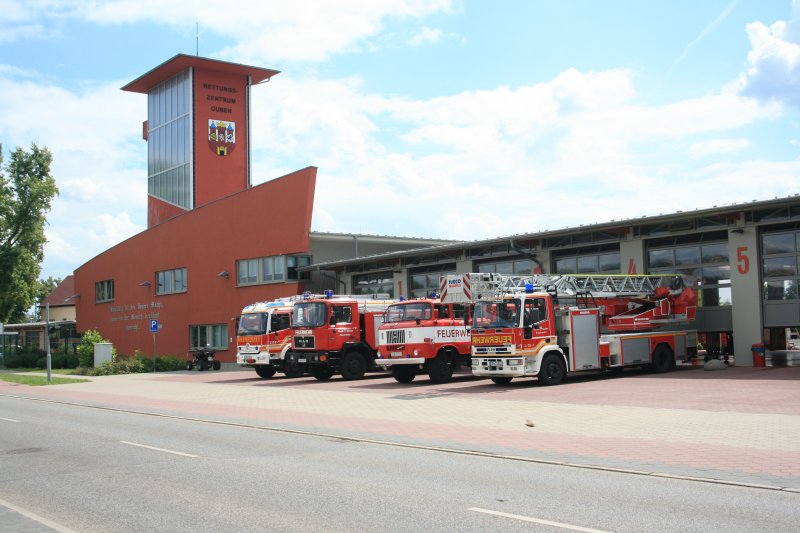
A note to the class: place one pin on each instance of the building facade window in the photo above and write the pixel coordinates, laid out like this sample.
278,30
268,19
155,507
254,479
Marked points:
707,263
169,141
208,336
424,281
508,266
171,281
590,263
293,262
32,340
273,269
104,291
779,272
376,283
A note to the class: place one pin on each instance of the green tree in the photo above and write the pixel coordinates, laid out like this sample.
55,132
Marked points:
25,198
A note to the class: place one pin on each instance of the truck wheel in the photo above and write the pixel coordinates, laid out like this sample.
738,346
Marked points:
321,373
265,371
552,371
404,373
662,360
293,369
353,366
439,369
502,381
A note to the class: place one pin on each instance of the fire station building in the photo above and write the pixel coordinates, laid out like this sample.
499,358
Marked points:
745,258
214,242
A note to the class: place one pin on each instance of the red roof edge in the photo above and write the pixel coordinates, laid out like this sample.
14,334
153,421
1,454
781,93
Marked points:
181,62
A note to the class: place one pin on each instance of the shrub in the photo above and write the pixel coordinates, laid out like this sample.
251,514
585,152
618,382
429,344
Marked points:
31,359
138,364
64,360
86,348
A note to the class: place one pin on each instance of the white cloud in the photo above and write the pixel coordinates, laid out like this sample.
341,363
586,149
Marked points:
717,146
99,161
578,148
773,64
708,30
426,35
272,30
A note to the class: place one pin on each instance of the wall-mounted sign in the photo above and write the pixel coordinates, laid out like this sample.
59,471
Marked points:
221,136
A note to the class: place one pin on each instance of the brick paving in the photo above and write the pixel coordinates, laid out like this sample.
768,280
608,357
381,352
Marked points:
740,425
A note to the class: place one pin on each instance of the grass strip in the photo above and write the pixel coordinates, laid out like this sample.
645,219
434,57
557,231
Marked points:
38,380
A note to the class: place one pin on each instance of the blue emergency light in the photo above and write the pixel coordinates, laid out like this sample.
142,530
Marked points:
529,288
328,293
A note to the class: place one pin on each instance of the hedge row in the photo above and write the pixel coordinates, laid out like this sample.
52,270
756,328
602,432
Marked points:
121,364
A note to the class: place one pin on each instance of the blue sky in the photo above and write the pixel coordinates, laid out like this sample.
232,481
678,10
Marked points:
442,118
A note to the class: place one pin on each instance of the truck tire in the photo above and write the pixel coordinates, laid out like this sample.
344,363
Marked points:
404,373
291,368
265,371
439,369
321,373
552,371
353,366
502,380
662,360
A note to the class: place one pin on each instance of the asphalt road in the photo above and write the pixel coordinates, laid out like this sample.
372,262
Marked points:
98,470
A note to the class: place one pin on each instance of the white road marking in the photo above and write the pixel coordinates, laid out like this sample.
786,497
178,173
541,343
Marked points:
537,520
36,518
8,419
159,449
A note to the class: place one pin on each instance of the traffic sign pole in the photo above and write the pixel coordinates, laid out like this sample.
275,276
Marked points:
154,330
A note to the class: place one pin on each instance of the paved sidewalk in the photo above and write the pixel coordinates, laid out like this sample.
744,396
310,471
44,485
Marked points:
740,425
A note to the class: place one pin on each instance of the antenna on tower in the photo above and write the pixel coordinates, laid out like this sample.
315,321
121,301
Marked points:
197,38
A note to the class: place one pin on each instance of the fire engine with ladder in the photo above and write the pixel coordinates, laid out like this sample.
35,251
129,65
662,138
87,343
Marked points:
337,334
264,336
424,335
545,326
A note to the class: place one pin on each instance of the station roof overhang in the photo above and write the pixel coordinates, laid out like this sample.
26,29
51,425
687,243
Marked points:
181,62
612,226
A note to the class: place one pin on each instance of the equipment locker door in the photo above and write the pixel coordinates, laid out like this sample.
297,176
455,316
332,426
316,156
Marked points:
585,339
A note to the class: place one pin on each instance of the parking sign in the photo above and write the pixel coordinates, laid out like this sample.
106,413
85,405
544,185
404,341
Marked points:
154,326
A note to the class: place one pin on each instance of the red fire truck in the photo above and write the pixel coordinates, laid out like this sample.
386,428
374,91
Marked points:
337,334
545,326
424,336
265,336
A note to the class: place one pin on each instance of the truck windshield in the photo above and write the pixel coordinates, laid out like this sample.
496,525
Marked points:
496,314
310,315
253,324
409,311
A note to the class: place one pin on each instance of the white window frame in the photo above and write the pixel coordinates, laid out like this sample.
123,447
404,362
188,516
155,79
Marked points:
168,280
104,291
218,333
268,269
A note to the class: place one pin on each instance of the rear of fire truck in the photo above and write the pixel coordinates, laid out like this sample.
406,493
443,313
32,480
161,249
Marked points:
424,336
